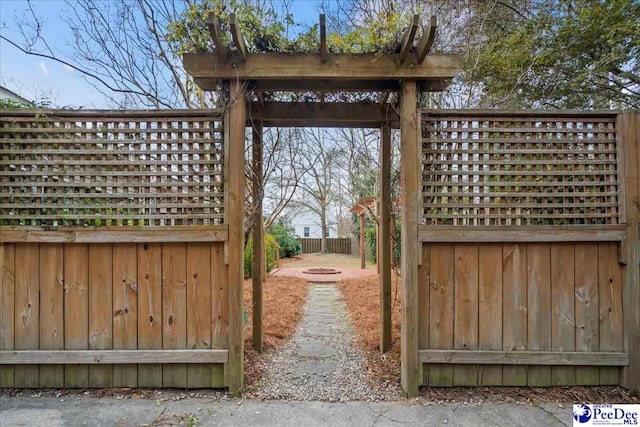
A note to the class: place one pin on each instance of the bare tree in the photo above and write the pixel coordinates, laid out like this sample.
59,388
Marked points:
318,186
282,171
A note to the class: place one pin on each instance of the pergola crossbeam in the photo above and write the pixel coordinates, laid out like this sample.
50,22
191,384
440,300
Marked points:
326,86
322,114
305,66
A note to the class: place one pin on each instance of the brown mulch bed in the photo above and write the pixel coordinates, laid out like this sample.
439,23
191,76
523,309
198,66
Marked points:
283,305
363,301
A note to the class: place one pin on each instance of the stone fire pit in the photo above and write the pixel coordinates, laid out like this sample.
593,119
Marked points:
321,270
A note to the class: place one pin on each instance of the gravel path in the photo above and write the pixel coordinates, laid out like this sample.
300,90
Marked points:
322,361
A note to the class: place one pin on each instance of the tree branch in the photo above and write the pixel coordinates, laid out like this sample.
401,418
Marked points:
83,71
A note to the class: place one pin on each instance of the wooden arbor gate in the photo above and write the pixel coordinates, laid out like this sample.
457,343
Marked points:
249,75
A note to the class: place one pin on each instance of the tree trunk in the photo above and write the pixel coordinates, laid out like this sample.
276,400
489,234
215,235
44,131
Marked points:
323,227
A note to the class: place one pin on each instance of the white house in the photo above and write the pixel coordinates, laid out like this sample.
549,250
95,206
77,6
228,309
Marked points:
307,224
9,94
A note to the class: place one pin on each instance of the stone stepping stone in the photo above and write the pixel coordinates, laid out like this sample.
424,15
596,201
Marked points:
318,331
316,368
315,349
322,319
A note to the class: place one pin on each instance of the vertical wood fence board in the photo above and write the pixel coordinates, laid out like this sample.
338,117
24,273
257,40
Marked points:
514,337
27,310
235,177
490,309
586,300
51,271
539,308
174,316
198,310
610,286
441,300
563,319
219,298
219,309
100,310
125,310
150,310
465,332
7,311
76,310
424,280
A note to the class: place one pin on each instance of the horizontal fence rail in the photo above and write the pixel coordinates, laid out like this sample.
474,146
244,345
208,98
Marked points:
111,168
495,168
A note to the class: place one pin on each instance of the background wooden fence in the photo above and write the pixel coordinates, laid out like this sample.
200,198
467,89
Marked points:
339,245
529,267
113,230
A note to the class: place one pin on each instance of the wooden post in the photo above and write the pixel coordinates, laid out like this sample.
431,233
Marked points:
392,232
234,176
363,258
409,160
384,234
258,238
378,237
628,126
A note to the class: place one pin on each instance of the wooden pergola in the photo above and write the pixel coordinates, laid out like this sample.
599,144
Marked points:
364,206
395,77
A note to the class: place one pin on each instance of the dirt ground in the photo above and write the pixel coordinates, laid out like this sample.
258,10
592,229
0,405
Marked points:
363,302
283,305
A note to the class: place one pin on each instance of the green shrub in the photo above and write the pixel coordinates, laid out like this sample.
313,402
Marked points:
285,236
371,241
271,253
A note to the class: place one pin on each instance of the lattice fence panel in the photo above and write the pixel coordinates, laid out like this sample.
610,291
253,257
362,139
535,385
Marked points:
494,170
151,168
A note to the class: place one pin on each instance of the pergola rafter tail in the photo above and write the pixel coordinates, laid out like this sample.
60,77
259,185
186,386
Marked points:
322,71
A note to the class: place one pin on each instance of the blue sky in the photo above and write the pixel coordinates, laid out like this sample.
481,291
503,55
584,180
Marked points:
37,78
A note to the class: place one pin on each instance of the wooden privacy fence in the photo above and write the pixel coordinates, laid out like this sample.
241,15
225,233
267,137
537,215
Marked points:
335,245
528,270
113,227
121,258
